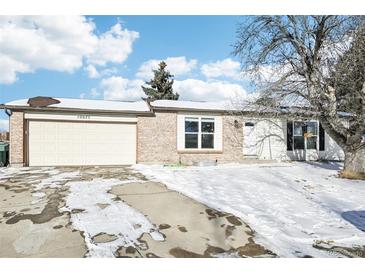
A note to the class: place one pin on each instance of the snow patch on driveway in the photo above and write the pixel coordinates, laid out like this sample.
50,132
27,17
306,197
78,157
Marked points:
290,206
94,212
56,180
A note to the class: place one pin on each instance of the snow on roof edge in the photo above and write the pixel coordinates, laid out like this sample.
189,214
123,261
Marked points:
142,106
193,105
89,104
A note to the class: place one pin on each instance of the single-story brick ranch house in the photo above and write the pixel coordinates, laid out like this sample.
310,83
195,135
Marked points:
47,131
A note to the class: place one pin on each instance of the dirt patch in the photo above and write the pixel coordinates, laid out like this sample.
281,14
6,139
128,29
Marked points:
350,252
49,212
128,252
8,214
104,238
213,250
164,226
14,187
77,210
234,220
352,175
120,173
131,250
102,206
212,213
136,226
254,250
182,228
178,252
229,230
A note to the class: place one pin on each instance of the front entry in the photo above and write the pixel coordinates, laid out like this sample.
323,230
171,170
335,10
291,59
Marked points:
249,139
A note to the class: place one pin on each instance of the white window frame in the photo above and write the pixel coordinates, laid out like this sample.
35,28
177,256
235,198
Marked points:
314,135
305,144
200,133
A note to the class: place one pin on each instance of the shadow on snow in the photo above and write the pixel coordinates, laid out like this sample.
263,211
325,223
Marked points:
356,218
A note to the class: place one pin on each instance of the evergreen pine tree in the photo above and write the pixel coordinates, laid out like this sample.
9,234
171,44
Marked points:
160,87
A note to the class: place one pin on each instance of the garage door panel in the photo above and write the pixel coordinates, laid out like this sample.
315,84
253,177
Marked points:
53,143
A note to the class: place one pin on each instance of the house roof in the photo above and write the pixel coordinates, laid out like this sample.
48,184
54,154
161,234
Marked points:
192,105
142,106
85,104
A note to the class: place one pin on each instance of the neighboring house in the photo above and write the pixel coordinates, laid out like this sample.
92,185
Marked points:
48,131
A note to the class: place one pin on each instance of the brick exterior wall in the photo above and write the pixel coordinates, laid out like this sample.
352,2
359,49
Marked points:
16,138
157,141
156,138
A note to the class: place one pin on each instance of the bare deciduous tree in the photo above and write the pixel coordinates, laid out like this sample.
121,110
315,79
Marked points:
318,61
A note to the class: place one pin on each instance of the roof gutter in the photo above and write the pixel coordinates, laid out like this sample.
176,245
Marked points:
131,112
188,109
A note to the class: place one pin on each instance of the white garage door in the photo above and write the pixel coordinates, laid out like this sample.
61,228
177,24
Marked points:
54,143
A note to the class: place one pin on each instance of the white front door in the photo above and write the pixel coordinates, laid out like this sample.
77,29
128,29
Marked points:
249,139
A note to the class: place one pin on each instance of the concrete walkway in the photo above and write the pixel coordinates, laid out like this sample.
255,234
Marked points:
190,228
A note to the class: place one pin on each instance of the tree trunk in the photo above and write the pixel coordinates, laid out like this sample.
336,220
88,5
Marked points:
355,161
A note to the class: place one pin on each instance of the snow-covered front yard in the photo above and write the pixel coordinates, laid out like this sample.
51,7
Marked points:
291,206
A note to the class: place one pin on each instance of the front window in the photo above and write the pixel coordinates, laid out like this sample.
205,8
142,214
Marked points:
199,133
312,133
302,130
191,132
298,135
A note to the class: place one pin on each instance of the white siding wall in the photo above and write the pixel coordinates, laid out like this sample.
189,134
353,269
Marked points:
272,144
332,150
271,139
218,133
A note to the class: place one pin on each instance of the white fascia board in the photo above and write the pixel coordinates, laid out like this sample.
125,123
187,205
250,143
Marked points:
81,117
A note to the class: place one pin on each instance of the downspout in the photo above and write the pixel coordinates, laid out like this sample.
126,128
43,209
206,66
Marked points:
8,112
148,102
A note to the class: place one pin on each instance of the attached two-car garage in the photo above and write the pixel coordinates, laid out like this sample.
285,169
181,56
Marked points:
66,143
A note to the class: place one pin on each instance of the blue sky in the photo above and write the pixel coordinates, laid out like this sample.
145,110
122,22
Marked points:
109,57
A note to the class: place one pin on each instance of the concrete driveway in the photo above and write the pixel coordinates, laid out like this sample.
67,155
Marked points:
111,212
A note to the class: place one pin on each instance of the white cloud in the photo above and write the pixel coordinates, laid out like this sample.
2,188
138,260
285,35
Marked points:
4,125
60,43
113,46
176,65
82,95
224,68
193,89
92,71
119,88
9,68
94,93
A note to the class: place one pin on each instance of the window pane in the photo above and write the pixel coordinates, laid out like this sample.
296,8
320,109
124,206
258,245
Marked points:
207,140
321,138
289,136
191,125
298,128
312,128
191,140
298,142
207,126
312,142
